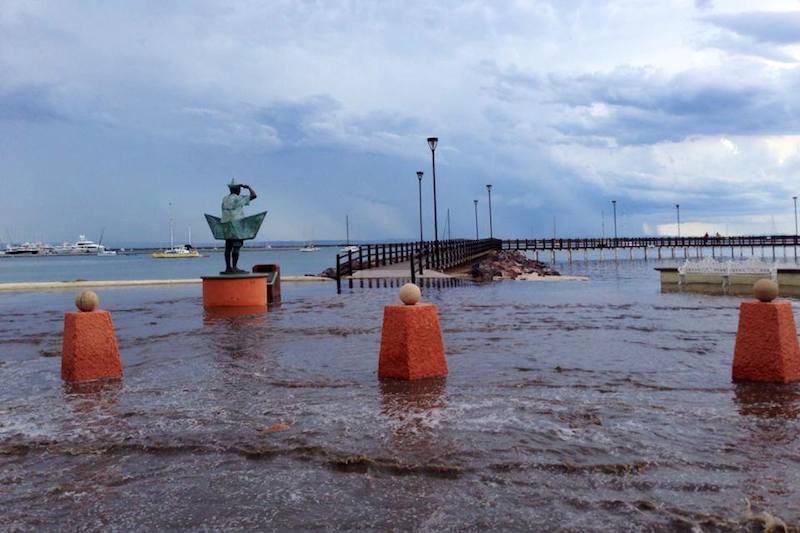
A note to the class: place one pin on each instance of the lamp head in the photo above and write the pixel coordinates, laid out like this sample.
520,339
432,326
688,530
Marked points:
432,142
488,187
419,175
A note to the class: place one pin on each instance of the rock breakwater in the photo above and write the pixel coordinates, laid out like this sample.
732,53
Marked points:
508,264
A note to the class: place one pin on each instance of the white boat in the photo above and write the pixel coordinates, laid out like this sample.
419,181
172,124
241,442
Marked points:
309,247
29,248
186,251
177,252
82,246
348,247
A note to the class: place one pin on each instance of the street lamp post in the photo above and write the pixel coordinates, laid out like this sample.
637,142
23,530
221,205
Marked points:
491,231
794,198
476,219
614,203
432,143
678,209
419,181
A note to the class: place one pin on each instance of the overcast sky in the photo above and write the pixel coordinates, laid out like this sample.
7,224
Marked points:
109,112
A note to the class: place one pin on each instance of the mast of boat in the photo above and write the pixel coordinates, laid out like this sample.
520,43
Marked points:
190,234
347,228
171,238
102,232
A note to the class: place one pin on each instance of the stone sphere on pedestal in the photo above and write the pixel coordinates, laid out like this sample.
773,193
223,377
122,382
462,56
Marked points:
410,294
765,290
87,301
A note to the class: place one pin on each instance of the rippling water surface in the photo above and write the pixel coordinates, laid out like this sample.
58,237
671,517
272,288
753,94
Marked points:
602,405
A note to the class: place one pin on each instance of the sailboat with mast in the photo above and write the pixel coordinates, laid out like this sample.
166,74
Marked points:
348,247
186,251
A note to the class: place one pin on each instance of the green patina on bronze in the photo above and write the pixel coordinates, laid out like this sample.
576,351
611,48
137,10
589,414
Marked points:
240,229
233,227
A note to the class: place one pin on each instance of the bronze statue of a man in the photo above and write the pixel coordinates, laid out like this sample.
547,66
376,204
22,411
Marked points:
232,211
234,228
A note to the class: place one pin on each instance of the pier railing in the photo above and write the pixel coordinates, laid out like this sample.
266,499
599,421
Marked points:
651,242
419,255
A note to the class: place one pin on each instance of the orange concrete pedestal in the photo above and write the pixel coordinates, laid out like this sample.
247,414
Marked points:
766,343
241,290
411,343
89,350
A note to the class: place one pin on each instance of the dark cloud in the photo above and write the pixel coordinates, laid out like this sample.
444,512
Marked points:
642,106
28,104
294,121
386,122
763,26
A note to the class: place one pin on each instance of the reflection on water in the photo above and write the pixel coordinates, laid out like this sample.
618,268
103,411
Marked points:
99,388
412,405
786,291
605,405
400,399
215,314
768,400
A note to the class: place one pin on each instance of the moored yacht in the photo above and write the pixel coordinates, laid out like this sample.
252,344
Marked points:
348,247
309,247
29,248
177,252
187,251
82,246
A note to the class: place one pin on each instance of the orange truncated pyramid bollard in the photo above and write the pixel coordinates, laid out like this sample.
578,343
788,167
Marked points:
766,341
89,349
411,340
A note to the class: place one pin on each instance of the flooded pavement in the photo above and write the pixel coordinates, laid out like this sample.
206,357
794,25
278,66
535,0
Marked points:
602,405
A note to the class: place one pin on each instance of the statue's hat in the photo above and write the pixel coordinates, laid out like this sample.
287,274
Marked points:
232,184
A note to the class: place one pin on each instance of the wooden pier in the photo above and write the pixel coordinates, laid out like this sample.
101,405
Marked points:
663,247
412,260
429,259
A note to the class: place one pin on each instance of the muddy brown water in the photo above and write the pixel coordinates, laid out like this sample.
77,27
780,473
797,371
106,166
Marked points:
595,406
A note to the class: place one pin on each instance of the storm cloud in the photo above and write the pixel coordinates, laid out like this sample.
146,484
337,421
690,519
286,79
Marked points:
562,105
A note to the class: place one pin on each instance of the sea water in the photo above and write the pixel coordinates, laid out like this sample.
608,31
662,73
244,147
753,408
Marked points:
602,405
144,266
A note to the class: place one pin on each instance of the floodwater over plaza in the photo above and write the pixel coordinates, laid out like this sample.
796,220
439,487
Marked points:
599,405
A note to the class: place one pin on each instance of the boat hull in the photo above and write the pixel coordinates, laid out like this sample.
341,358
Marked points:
167,255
